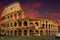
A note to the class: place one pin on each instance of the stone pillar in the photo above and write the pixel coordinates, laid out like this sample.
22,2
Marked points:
34,31
6,33
28,33
17,16
17,24
13,17
22,33
22,23
9,33
17,32
38,32
13,33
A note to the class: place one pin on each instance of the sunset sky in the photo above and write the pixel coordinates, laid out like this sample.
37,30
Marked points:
37,8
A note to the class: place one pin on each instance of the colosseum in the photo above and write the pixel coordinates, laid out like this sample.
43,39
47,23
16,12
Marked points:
15,23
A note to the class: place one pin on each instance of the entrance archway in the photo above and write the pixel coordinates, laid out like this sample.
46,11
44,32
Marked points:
11,32
25,32
15,32
41,32
19,32
31,32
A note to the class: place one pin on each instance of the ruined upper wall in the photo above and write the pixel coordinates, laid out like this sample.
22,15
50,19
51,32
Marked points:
12,8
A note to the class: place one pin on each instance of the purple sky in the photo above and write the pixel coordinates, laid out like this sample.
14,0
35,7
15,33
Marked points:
37,8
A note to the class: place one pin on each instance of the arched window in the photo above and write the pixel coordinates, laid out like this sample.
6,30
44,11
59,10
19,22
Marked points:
46,25
11,24
8,24
19,23
25,32
19,32
36,31
8,17
11,16
11,32
15,24
49,25
41,32
25,23
31,32
15,32
46,22
43,25
36,23
15,16
49,32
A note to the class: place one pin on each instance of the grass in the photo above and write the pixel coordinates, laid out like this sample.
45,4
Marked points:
20,38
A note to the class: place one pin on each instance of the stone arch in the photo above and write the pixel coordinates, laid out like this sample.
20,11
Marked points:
19,32
31,32
11,24
25,23
15,15
46,22
15,24
25,32
41,32
11,16
15,32
36,23
37,31
20,23
11,32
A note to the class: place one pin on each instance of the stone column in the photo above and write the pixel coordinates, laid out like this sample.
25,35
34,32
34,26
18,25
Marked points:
22,23
38,32
28,33
13,16
17,24
34,31
22,33
13,33
17,32
17,16
9,33
6,33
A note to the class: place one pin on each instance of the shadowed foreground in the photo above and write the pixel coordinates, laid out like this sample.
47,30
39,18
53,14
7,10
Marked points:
28,38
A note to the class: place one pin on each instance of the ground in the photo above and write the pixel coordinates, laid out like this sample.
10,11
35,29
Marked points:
28,38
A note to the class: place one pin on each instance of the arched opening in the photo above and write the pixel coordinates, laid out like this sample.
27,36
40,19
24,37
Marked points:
8,32
31,32
41,32
43,25
15,24
8,24
8,17
46,32
19,32
49,26
36,23
15,16
15,32
20,23
46,21
11,24
11,16
49,32
46,25
11,32
25,32
36,31
25,23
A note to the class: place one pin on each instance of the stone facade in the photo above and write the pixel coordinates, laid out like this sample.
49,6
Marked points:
15,23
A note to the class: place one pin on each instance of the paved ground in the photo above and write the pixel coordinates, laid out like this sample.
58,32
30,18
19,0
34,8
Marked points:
28,38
